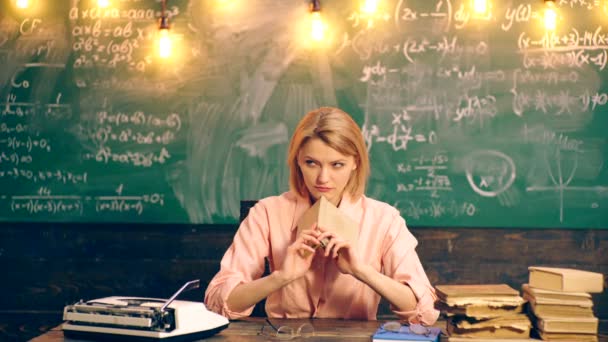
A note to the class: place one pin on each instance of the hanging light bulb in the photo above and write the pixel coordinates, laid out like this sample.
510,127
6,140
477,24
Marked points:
480,6
550,16
317,26
103,3
164,38
369,6
22,4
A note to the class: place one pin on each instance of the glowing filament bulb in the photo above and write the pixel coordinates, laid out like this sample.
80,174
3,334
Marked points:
317,26
22,3
369,6
164,43
550,17
480,6
103,3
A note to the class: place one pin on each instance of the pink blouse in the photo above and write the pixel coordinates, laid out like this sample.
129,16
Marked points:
384,243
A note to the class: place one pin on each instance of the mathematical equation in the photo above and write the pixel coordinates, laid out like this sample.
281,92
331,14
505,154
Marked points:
77,205
114,37
35,176
24,109
26,143
105,155
420,209
140,118
558,103
424,174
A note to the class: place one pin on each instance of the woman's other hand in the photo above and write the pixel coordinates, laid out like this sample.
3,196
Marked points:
341,251
298,258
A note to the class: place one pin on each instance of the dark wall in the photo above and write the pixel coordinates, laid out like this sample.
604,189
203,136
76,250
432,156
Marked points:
47,266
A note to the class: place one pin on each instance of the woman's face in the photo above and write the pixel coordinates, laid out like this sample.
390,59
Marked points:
325,170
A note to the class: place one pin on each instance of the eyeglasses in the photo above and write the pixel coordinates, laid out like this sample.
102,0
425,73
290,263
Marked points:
417,329
286,332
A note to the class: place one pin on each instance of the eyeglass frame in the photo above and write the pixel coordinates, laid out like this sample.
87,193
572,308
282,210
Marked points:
295,333
417,329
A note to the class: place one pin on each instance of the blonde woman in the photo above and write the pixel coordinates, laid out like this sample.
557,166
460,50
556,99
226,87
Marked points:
327,157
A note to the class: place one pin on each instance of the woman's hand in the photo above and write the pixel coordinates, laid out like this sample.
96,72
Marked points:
341,251
298,258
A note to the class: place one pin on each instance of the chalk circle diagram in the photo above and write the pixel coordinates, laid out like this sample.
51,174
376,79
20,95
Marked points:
489,172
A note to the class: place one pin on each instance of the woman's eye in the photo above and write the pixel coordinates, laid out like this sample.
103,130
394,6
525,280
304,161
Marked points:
309,162
338,165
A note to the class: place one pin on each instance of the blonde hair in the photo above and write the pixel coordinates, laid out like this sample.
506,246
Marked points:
340,132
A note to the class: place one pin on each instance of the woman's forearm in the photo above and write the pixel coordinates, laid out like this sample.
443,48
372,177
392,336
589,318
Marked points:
246,295
399,295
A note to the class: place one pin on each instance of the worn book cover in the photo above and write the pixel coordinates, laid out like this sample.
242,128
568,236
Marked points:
489,339
565,337
565,279
556,310
582,325
479,294
475,290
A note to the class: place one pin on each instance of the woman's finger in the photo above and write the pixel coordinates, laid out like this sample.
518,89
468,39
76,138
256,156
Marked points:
338,247
310,240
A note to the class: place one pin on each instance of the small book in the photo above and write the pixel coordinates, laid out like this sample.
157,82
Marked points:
565,337
405,335
479,294
580,325
476,290
490,339
556,310
328,216
558,297
565,279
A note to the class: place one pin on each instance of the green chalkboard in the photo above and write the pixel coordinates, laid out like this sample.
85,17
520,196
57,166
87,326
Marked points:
473,120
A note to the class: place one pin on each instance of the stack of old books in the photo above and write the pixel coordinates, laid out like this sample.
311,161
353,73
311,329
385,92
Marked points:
483,312
560,305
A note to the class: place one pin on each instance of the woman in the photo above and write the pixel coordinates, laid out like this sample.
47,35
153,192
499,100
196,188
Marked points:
327,157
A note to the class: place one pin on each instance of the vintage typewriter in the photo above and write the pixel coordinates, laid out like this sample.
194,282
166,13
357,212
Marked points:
142,319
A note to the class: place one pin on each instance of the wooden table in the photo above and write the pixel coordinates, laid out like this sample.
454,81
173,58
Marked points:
249,329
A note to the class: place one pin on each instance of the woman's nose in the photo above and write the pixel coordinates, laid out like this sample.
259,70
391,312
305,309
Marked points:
323,176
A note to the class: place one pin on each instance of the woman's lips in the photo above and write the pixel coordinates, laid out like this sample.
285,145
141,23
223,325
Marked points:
322,189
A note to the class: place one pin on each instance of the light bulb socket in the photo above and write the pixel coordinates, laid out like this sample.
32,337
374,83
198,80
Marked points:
163,23
315,5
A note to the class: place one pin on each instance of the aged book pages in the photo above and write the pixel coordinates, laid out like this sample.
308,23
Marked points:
549,296
479,311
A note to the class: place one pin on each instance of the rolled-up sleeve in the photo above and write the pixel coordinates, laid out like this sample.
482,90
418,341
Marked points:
243,262
401,262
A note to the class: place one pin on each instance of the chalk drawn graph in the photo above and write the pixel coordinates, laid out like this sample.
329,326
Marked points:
561,179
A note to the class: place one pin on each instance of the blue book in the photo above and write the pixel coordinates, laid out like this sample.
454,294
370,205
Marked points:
406,335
